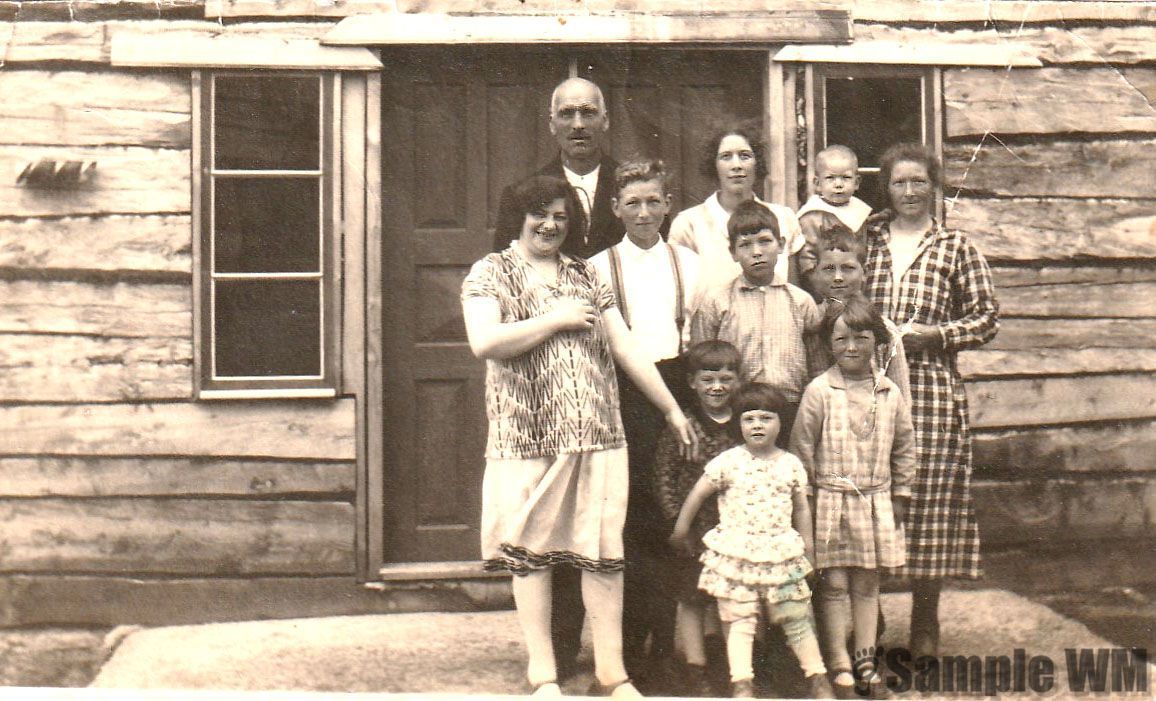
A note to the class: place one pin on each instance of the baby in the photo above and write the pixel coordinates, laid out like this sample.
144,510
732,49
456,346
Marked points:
836,181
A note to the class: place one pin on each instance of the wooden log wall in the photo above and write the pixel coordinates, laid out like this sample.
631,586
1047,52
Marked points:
116,488
110,474
1047,170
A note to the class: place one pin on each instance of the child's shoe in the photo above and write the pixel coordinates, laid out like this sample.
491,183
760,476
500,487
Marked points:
546,690
872,683
843,684
818,687
743,689
624,689
696,682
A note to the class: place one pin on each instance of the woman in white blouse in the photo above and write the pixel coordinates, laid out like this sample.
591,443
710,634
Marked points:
736,157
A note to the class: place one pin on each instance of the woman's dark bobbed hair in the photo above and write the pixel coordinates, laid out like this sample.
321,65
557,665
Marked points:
749,131
533,194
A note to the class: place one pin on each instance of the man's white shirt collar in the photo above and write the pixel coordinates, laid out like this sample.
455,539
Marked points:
587,183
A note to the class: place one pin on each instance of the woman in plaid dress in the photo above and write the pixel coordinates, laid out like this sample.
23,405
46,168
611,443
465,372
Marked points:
938,288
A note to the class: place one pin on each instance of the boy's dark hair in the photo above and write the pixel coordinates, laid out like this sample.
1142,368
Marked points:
759,396
750,217
713,355
839,237
859,314
643,170
917,153
750,131
536,192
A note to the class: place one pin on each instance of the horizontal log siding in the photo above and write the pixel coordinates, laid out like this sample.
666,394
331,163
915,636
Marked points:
96,108
113,244
1043,511
46,368
1051,229
108,468
1109,447
289,429
1082,44
176,536
1047,171
39,42
1088,99
1101,168
130,180
89,476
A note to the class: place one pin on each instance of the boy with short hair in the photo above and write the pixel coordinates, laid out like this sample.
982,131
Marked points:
765,319
836,181
712,372
839,275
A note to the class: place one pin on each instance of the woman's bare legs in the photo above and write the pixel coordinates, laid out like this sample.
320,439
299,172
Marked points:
532,600
602,594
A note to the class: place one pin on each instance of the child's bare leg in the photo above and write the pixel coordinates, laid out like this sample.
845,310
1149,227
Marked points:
689,623
864,608
799,629
532,600
836,612
740,619
602,594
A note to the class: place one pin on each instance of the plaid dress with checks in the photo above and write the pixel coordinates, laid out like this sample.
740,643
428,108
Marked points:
949,286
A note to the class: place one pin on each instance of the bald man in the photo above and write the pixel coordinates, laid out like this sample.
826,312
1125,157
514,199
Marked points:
579,123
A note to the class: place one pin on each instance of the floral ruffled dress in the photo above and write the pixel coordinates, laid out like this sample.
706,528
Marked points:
754,552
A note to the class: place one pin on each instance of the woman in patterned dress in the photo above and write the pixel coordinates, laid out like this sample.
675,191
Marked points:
936,284
555,484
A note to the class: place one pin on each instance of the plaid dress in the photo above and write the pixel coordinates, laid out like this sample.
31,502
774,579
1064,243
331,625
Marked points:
856,458
949,286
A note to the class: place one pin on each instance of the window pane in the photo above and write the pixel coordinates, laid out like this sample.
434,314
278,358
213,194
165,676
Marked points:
268,327
267,225
870,114
267,123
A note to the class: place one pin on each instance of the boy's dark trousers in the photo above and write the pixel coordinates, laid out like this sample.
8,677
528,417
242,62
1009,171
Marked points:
567,614
647,610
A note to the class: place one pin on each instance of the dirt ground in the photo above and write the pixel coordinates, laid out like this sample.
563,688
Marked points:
57,657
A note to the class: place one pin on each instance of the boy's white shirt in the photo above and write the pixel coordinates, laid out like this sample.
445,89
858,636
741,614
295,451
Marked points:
853,214
648,283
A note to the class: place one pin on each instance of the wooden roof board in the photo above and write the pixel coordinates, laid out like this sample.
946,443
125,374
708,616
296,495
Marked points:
913,54
775,26
130,49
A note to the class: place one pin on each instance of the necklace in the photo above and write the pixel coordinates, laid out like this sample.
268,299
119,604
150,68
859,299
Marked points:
865,427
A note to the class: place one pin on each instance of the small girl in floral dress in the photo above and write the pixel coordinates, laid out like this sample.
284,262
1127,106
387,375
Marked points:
760,550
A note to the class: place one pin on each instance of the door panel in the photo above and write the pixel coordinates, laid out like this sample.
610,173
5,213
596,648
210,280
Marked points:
453,122
668,104
458,125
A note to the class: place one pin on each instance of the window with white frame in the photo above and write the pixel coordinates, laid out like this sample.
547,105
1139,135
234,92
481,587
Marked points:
869,107
265,203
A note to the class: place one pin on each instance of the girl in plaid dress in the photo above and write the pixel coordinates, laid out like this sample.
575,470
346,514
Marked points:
854,436
938,286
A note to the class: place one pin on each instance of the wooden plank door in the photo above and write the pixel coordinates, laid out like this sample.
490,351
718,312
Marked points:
456,126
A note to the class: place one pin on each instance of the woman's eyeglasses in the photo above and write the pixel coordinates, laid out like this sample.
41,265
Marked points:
917,185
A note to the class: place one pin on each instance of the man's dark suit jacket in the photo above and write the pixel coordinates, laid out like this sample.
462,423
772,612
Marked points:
585,238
